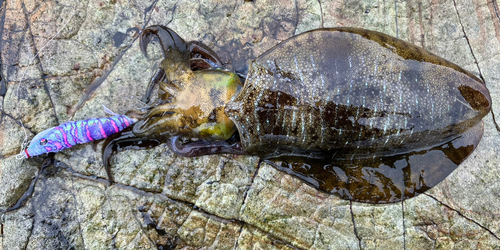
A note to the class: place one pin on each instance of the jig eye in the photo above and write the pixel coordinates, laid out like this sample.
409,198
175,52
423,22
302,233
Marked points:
43,141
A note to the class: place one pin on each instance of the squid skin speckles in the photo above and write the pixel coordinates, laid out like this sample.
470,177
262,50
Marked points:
353,112
71,133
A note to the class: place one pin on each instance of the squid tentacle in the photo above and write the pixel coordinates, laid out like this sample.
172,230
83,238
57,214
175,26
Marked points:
169,40
173,47
159,76
161,121
199,148
124,140
202,57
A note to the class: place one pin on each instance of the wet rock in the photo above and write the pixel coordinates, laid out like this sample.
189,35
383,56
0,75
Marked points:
296,212
19,225
200,230
252,238
29,102
71,61
15,178
11,136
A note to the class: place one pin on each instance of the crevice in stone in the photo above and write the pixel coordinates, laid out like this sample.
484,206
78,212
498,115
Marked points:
296,21
245,194
422,30
199,8
147,11
354,225
160,195
96,83
138,221
37,57
316,235
61,164
475,59
253,227
84,19
468,42
238,238
235,6
80,231
321,14
83,238
99,80
170,199
396,17
17,122
63,239
173,14
495,6
3,81
30,233
22,201
404,227
134,189
426,231
465,217
1,234
113,239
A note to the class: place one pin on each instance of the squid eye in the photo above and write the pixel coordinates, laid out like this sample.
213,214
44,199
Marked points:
43,141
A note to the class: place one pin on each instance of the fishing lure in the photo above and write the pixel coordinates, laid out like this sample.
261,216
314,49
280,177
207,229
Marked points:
71,133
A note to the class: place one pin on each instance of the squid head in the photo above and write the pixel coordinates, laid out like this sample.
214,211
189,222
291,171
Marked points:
192,94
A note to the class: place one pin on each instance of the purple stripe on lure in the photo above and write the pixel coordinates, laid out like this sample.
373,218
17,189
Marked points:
65,137
101,129
87,132
69,134
114,125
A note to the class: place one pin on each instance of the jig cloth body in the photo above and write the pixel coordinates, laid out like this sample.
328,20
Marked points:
71,133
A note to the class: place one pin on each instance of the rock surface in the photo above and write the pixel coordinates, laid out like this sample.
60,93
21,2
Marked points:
61,60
